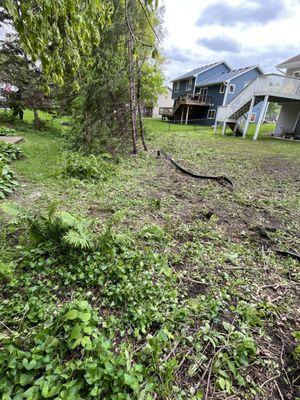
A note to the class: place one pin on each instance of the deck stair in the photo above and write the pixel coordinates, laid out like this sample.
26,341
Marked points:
267,88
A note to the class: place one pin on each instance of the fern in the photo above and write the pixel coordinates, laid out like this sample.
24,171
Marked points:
60,228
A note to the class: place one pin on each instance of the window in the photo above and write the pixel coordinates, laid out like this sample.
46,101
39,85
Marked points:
297,74
246,83
231,88
203,91
253,117
176,86
189,84
222,88
211,114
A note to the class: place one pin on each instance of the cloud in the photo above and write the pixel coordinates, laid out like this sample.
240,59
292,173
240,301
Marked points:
177,54
221,43
249,12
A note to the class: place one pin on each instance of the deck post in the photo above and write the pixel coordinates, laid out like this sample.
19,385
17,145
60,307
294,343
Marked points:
224,128
216,126
246,127
236,127
187,114
181,120
261,117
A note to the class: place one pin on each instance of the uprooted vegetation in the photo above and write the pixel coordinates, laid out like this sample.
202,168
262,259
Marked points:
163,288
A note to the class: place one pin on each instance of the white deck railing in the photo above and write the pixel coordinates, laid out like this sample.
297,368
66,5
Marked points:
272,85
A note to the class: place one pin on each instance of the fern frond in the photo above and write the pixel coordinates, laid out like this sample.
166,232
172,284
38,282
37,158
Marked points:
15,211
80,239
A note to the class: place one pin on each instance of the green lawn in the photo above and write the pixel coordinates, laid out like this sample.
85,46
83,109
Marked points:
220,244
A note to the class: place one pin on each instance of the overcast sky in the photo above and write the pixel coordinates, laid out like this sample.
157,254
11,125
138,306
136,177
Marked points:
242,32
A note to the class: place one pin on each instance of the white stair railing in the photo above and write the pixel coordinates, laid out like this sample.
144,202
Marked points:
272,85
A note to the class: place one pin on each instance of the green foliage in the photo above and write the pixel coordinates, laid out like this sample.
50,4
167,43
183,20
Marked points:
52,227
8,153
5,131
81,166
7,180
296,351
7,117
70,357
6,272
59,36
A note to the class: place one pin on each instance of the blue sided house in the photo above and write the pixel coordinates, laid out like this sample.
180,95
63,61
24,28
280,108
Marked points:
198,93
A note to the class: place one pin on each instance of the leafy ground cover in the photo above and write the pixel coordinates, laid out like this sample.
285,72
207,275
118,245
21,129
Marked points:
148,284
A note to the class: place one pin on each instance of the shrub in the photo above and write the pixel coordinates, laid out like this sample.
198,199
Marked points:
4,131
79,166
7,180
7,117
9,152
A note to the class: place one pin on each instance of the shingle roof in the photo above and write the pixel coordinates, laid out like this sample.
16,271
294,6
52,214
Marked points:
289,61
225,76
195,72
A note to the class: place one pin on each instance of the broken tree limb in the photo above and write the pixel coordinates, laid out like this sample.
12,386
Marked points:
219,179
292,254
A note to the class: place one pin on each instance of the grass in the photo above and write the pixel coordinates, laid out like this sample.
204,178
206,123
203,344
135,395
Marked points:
221,243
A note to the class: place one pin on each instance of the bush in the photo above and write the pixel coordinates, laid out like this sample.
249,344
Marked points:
9,152
83,167
7,180
4,131
7,117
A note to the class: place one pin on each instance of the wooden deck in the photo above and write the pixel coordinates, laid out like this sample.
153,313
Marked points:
11,139
186,100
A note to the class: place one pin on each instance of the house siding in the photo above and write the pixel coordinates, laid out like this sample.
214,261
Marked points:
291,71
239,83
182,88
218,69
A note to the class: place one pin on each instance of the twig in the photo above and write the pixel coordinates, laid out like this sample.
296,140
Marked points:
210,371
6,327
172,351
194,281
269,380
279,391
148,19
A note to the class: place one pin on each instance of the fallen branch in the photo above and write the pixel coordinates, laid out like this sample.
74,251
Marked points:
219,179
288,253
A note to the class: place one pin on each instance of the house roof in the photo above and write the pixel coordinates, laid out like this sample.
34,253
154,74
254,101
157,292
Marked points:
194,72
228,76
294,61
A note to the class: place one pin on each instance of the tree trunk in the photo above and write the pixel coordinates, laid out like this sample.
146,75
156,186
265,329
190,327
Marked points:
139,104
132,82
36,122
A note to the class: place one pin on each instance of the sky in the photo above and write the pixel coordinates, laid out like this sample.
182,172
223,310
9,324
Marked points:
242,32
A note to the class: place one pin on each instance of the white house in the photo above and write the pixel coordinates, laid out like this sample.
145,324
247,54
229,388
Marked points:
164,100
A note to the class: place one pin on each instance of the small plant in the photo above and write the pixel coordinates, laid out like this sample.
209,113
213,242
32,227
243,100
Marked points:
7,180
296,351
58,228
7,117
9,152
4,131
78,166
